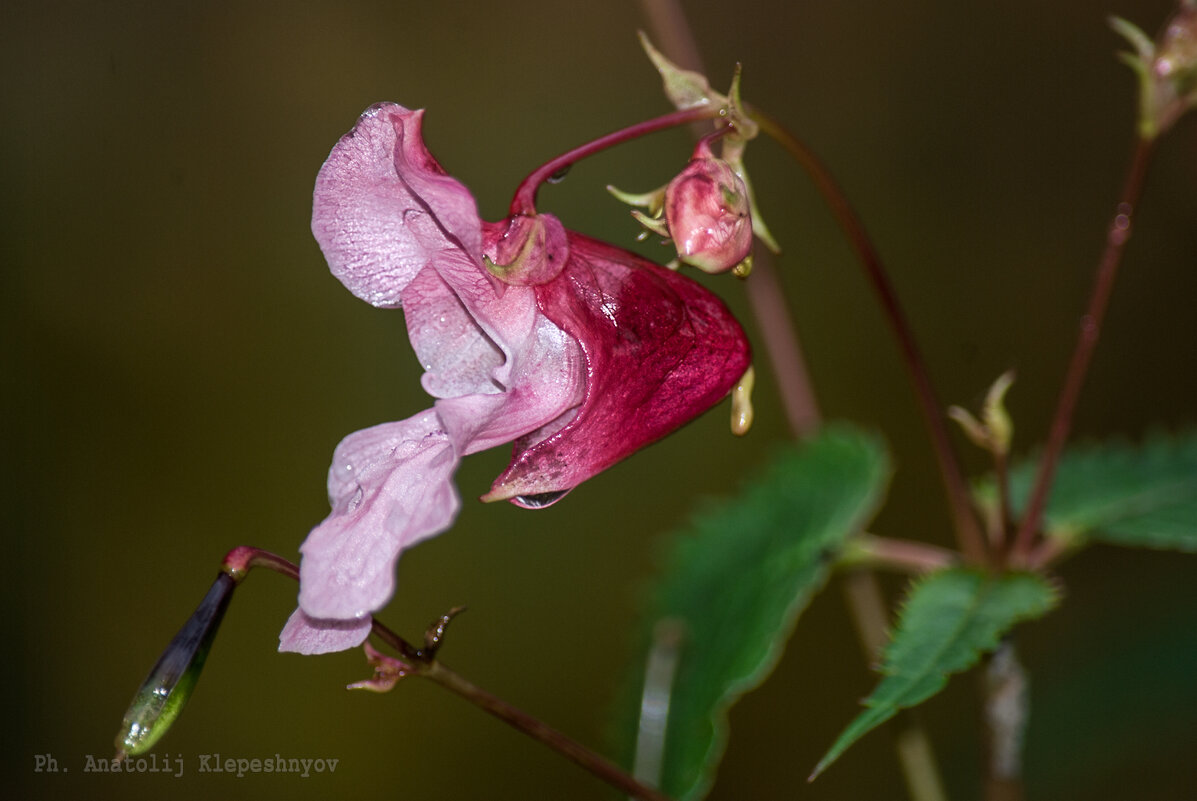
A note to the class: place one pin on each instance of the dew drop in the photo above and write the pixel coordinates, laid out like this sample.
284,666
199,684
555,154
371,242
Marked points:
539,500
559,175
356,500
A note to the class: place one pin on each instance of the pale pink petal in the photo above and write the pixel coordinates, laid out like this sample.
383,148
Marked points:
547,377
499,366
383,208
306,635
390,486
660,350
457,355
504,315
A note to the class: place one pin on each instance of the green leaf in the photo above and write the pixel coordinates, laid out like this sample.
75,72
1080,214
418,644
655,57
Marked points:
734,585
1142,495
949,619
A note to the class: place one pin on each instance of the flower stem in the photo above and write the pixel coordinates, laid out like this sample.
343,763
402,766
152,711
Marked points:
1090,329
968,530
578,753
524,201
241,560
863,591
1004,523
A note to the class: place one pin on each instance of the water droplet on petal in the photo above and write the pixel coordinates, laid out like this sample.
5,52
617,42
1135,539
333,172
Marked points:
539,500
356,500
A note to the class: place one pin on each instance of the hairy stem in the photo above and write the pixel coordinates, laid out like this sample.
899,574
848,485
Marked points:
1117,236
968,529
241,560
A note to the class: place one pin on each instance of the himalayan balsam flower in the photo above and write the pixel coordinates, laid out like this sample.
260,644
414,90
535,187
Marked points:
578,352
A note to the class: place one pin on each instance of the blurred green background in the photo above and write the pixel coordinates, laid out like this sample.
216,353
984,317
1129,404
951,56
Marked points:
179,365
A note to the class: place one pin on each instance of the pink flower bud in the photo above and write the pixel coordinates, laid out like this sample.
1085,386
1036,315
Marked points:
1166,67
1175,66
707,211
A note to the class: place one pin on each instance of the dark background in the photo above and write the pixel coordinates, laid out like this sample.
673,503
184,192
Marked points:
179,365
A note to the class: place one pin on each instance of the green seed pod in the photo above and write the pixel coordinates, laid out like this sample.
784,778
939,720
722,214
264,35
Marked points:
164,692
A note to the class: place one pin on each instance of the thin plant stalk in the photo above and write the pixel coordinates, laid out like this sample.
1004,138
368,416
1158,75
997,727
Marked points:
1117,236
579,754
968,531
240,560
865,602
1004,524
906,556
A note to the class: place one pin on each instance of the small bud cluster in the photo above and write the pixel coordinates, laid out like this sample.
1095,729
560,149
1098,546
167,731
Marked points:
707,210
1167,69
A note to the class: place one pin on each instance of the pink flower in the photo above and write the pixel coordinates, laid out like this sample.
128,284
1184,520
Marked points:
579,352
707,214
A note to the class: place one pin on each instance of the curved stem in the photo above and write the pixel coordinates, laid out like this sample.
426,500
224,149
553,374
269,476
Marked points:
968,530
241,560
862,588
524,201
1107,270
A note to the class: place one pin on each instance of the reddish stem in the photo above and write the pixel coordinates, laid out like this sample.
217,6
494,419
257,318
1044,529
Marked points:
1001,470
239,561
968,530
906,556
524,201
1090,329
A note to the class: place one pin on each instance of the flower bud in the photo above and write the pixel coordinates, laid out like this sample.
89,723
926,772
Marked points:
387,671
1175,65
707,213
995,429
164,692
1167,69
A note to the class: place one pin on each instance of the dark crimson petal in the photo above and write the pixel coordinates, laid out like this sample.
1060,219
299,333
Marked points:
660,350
